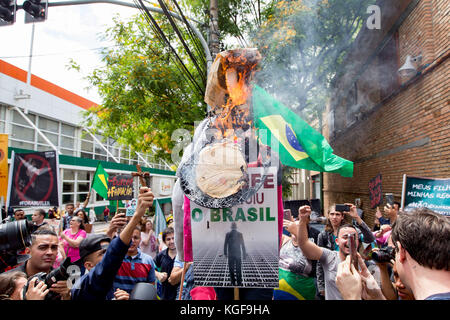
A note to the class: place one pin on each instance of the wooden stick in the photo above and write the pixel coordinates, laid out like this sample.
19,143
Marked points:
236,293
182,279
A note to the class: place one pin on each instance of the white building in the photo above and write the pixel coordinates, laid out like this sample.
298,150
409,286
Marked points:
38,116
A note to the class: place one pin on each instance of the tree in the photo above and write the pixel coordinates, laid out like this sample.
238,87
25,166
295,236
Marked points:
303,44
145,94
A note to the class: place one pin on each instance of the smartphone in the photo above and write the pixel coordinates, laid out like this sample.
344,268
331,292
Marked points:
287,214
353,250
390,199
342,208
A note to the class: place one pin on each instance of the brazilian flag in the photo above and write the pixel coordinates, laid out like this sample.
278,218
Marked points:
300,145
100,181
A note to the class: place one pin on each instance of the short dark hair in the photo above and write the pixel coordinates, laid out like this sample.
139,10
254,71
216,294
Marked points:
18,210
166,232
346,225
425,234
42,232
398,204
41,212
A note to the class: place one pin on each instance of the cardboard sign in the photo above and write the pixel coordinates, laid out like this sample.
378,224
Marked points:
243,239
375,192
120,187
33,179
431,193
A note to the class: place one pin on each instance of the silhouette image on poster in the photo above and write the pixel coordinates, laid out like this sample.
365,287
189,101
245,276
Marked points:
234,250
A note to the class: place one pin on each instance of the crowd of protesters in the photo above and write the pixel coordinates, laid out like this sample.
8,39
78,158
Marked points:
405,256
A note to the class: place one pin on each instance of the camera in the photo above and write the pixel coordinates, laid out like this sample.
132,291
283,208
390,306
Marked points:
342,208
384,254
14,236
61,273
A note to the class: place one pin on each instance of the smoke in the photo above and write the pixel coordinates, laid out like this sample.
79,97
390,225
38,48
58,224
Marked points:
304,45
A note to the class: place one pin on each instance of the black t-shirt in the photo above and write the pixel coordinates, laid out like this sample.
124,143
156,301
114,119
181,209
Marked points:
165,263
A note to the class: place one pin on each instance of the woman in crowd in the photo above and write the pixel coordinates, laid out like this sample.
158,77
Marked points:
87,225
72,238
296,272
12,283
149,242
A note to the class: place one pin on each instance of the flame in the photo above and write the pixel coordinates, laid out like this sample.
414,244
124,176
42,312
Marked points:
238,67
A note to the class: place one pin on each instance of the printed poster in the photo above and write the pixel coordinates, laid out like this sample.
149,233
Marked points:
238,246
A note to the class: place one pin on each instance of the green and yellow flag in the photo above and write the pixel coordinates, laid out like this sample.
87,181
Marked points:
100,181
300,145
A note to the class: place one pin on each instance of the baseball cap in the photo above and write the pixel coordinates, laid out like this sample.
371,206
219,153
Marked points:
92,243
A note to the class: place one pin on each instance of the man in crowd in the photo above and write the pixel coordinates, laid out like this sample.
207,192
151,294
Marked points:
19,214
422,253
38,219
164,261
329,259
390,211
43,252
136,267
69,213
103,257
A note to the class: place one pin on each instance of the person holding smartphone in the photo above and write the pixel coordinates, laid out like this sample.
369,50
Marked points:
329,259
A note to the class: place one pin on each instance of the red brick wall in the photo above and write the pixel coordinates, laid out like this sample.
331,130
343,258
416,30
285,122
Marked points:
422,111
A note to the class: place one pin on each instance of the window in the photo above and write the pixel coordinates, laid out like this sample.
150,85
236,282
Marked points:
48,125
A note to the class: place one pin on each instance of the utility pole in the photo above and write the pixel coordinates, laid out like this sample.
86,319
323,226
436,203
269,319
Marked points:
214,28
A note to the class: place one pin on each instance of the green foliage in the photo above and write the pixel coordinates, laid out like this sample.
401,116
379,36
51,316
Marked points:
286,181
145,95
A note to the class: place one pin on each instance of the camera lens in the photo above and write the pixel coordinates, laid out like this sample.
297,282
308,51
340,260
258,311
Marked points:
15,235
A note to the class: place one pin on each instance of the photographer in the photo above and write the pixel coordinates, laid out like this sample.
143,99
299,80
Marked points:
103,257
421,239
12,284
43,252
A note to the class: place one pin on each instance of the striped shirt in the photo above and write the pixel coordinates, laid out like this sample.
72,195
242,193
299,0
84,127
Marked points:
139,268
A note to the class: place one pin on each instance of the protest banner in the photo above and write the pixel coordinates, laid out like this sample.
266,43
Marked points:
120,187
33,179
431,193
243,239
375,192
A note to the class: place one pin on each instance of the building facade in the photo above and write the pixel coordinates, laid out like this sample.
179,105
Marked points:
386,123
39,116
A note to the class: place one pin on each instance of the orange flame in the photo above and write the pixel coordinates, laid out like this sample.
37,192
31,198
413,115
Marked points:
238,68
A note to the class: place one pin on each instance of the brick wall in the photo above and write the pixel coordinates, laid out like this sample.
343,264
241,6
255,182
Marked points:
384,141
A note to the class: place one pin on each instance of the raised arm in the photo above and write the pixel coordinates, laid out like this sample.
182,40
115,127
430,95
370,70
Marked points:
309,249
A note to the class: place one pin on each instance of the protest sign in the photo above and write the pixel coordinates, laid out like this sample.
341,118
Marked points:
375,192
431,193
120,187
131,207
33,179
243,239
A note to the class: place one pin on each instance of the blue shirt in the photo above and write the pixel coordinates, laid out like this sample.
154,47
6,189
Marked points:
140,268
439,296
97,284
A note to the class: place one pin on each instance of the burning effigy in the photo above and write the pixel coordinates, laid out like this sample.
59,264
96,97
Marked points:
227,175
213,172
